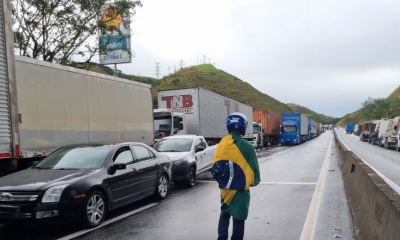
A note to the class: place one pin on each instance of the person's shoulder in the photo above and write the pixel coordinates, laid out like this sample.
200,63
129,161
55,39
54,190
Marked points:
244,143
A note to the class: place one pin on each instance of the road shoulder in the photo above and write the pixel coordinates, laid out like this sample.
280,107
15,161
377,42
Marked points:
334,213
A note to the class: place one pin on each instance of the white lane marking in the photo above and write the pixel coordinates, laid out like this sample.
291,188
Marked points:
311,220
269,183
105,223
393,185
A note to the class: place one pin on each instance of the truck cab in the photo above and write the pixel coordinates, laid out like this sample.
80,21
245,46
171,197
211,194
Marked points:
257,132
168,123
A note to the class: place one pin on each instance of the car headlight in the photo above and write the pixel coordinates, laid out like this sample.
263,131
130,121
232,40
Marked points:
179,162
53,194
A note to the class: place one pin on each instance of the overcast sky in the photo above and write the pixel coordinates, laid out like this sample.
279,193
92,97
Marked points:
328,55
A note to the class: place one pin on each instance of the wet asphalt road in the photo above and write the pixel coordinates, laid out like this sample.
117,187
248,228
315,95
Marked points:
278,209
386,161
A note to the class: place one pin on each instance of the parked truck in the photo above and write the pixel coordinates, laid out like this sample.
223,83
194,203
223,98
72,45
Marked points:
205,112
390,137
313,129
267,123
168,123
294,128
357,129
349,127
58,105
380,131
366,129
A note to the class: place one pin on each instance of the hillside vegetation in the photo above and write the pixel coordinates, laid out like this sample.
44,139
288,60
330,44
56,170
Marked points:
374,109
208,77
319,118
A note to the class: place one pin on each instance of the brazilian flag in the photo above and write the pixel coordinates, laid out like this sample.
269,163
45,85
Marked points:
235,167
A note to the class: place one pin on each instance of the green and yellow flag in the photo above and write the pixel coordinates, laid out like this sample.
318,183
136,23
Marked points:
235,167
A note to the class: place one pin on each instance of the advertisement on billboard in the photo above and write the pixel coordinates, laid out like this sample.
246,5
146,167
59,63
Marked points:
116,45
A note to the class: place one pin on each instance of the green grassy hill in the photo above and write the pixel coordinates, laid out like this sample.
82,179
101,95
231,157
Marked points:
395,93
208,77
319,118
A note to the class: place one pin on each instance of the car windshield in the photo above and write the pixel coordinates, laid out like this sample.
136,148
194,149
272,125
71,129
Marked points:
256,129
174,145
289,128
69,158
162,125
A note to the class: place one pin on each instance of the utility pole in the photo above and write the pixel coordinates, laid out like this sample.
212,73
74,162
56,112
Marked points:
169,70
158,70
181,63
174,69
209,60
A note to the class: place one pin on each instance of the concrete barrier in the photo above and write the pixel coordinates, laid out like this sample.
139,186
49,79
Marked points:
374,205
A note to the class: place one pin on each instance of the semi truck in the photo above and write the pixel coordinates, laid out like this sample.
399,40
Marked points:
390,137
205,112
54,105
168,123
313,129
267,123
294,128
357,129
380,130
366,129
349,127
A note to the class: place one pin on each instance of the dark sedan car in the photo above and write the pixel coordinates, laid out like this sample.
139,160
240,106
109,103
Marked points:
83,182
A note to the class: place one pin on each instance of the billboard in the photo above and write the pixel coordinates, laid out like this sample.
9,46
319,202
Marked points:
112,41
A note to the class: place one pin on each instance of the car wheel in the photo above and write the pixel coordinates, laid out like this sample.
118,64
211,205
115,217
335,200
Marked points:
94,210
162,187
192,177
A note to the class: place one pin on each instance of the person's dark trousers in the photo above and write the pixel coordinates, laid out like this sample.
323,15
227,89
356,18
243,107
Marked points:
223,226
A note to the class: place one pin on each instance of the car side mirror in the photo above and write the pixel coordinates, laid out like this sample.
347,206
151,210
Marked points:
116,167
210,143
33,163
395,127
199,148
180,126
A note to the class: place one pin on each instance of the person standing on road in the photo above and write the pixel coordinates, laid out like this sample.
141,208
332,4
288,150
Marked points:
235,168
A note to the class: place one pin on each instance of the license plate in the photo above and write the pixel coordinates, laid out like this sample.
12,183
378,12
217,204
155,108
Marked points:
289,140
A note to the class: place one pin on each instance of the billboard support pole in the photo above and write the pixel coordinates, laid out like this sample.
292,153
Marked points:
115,70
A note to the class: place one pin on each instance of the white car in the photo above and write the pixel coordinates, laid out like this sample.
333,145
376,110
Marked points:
189,154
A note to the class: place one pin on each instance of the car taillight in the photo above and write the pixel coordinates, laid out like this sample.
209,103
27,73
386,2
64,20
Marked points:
394,139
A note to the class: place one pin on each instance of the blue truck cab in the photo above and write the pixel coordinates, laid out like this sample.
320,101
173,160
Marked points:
294,128
349,127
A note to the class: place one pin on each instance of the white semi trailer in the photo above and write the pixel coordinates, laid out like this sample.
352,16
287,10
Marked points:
205,112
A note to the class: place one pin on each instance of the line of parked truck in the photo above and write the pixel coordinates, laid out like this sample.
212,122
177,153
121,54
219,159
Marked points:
383,133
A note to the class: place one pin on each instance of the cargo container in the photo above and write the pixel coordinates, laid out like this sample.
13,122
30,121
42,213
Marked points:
206,112
267,123
294,128
349,127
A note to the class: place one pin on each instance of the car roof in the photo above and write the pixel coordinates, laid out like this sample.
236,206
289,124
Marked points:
182,136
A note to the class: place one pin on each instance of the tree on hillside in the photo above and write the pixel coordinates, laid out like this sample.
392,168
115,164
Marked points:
394,109
56,30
